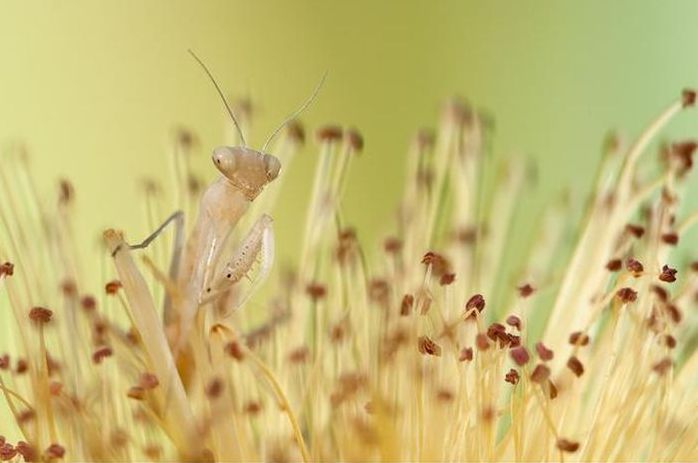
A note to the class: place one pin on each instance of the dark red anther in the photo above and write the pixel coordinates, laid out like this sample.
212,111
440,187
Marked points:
670,341
476,302
635,230
444,395
674,313
101,353
298,355
112,287
40,315
634,266
7,452
567,445
614,265
447,278
337,332
392,245
295,132
54,452
611,142
512,377
214,388
7,269
670,238
346,234
668,274
513,340
424,140
316,291
575,365
495,330
406,305
26,416
661,293
88,303
379,291
627,295
552,390
235,350
513,320
252,407
688,97
136,393
540,374
427,346
481,342
22,366
151,187
347,246
329,133
4,362
52,364
519,355
466,354
668,197
154,452
355,140
439,264
683,152
544,353
466,235
27,451
100,328
69,288
526,290
66,192
457,111
148,381
579,339
663,366
185,137
55,388
488,413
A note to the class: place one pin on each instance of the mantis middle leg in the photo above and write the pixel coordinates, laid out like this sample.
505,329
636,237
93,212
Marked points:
177,218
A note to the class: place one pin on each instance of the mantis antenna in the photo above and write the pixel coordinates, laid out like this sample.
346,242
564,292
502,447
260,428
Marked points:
296,113
220,93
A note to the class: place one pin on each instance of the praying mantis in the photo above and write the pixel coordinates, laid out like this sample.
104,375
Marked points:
244,173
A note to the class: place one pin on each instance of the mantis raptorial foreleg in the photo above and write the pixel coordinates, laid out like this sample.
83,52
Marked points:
256,246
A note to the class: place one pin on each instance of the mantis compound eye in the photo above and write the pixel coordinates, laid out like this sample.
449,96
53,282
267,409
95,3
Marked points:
224,159
272,166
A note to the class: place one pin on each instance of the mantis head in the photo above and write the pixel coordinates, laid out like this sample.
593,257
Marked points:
247,169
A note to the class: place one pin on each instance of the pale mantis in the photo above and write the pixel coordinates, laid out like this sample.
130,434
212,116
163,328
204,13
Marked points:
244,174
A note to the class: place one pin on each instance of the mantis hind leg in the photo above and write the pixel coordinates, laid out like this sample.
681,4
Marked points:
176,218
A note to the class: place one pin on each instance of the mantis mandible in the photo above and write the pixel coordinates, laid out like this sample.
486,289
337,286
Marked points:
244,172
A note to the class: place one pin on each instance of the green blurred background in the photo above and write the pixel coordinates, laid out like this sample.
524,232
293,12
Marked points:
95,88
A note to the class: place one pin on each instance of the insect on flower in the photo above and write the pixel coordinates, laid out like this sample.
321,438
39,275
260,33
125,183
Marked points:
244,173
349,341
